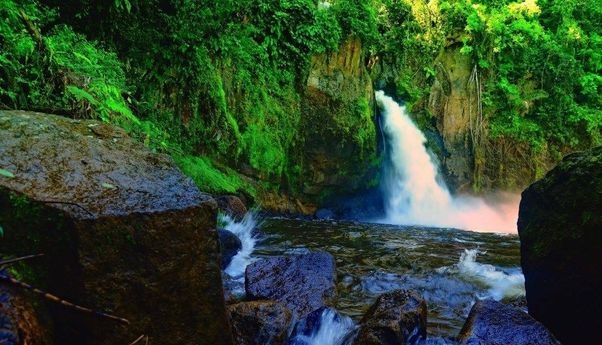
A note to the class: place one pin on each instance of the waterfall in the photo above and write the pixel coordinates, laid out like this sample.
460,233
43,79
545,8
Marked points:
415,195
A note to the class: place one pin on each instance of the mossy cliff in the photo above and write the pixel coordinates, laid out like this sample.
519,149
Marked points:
275,98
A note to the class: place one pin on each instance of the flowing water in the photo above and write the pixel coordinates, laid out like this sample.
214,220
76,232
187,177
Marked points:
413,191
416,245
450,268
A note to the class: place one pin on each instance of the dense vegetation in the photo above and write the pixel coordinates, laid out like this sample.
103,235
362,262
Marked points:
217,84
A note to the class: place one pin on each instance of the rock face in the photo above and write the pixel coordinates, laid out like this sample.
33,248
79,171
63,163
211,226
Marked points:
259,322
454,107
337,123
19,323
303,282
229,245
396,318
231,205
495,323
559,224
122,230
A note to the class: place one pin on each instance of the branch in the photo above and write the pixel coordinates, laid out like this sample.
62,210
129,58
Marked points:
12,261
11,281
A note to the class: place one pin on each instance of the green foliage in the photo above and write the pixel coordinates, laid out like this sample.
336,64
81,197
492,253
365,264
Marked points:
211,179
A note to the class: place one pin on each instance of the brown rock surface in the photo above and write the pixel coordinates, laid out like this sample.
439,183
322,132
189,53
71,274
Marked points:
396,318
122,229
259,322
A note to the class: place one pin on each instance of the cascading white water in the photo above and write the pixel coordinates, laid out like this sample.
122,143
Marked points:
244,231
414,195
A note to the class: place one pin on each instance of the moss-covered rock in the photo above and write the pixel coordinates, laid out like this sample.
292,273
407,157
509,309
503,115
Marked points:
560,223
122,230
339,136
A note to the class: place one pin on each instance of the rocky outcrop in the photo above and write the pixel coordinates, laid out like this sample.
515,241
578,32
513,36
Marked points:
19,323
122,230
232,206
559,226
454,107
396,318
259,322
337,124
302,282
229,245
495,323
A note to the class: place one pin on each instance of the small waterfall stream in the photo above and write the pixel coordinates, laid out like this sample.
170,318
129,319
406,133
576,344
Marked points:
416,195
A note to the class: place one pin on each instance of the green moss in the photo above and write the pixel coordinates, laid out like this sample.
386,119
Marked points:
210,179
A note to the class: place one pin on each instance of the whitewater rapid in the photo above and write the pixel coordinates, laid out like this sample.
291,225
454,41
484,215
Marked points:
413,190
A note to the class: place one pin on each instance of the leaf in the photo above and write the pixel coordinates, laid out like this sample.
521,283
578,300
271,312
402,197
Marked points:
6,173
108,186
1,231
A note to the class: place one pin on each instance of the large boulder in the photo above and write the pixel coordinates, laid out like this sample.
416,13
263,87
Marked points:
229,245
302,282
560,223
396,318
122,230
260,322
495,323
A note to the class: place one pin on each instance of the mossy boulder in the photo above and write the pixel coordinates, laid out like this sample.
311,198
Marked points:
122,230
560,228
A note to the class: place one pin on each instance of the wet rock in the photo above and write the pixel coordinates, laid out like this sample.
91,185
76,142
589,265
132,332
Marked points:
337,112
337,328
495,323
231,205
396,318
259,322
324,214
229,245
122,230
302,282
559,226
19,323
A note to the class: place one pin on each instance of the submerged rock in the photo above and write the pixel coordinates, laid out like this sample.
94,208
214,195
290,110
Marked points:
122,230
560,223
259,322
229,245
302,282
324,214
396,318
232,205
495,323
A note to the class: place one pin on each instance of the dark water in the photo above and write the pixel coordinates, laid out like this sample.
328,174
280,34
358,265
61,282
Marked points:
450,268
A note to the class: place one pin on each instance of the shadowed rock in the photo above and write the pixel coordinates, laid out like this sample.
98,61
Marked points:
19,323
560,228
396,318
302,282
229,245
495,323
259,322
122,229
231,205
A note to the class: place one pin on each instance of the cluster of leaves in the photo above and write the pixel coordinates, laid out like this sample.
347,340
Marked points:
543,61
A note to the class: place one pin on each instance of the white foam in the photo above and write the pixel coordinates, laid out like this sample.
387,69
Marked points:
244,231
332,331
414,192
501,284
